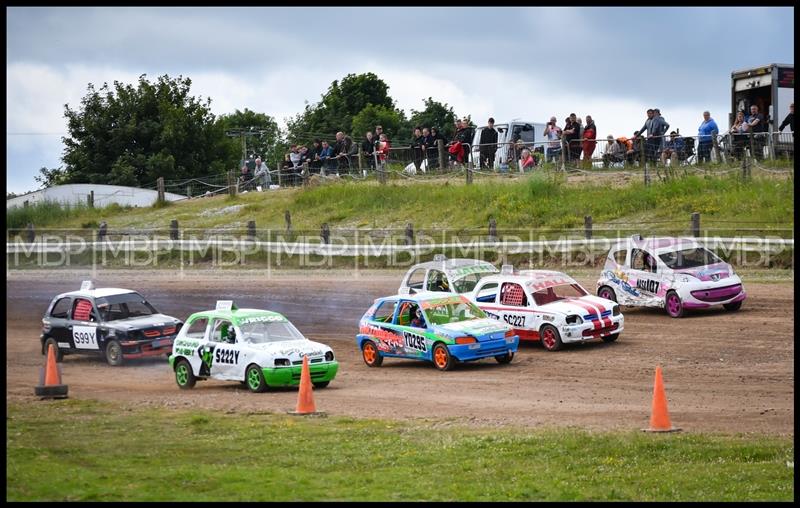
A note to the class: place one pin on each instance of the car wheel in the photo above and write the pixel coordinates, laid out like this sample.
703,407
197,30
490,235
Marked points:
321,384
371,355
610,338
607,293
184,375
255,379
113,353
506,358
54,342
441,357
733,306
674,305
551,339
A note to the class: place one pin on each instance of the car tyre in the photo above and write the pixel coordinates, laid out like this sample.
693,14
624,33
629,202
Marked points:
733,306
184,376
255,379
370,354
54,342
607,293
113,353
610,338
674,305
551,339
321,384
506,358
442,359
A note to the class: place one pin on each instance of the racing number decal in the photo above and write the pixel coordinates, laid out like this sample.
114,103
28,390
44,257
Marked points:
228,356
514,320
85,337
414,341
651,286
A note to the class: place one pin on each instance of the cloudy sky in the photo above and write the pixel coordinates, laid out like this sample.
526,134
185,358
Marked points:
531,63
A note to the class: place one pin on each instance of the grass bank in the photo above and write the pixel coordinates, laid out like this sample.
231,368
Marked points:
84,450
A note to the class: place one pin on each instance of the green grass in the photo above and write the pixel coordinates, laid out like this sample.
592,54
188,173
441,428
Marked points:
726,205
84,450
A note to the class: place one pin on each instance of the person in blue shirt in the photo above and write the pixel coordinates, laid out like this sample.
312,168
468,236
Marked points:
672,149
705,132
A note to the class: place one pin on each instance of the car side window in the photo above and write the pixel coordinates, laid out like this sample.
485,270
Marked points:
83,310
512,294
385,311
437,281
642,260
619,257
487,293
417,279
197,328
222,330
61,308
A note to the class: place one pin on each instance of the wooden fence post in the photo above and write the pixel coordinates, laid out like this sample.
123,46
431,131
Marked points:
161,190
587,226
695,224
325,233
174,234
102,231
30,233
409,234
232,183
715,144
492,229
251,229
288,217
360,159
304,173
90,199
442,154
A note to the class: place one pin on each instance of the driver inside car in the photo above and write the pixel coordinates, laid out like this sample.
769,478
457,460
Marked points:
440,284
417,320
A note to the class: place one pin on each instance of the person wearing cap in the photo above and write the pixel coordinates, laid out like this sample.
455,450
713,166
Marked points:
672,149
488,144
614,152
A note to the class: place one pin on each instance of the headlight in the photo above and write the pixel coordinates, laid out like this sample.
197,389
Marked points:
281,362
574,319
329,356
615,310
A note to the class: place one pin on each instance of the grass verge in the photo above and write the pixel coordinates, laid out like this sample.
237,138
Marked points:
85,450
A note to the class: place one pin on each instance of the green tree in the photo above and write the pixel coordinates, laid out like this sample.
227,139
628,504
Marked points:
49,177
435,114
266,142
132,135
389,118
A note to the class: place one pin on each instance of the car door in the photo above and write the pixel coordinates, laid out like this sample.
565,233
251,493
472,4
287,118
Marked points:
59,323
485,297
514,305
415,280
415,344
82,325
643,274
226,354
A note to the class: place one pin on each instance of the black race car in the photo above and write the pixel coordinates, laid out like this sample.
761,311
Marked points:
117,323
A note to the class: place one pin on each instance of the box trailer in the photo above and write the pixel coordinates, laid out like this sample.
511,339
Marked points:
770,87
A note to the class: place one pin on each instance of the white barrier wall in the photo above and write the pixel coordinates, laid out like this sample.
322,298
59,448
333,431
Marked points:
104,195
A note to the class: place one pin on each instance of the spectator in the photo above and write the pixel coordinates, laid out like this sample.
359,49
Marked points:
326,157
553,133
418,148
455,149
660,128
705,141
589,141
571,136
526,161
738,132
286,168
432,145
377,136
632,154
757,126
789,120
368,149
615,152
305,155
314,162
294,156
672,149
342,150
467,136
245,177
261,174
383,149
488,142
652,144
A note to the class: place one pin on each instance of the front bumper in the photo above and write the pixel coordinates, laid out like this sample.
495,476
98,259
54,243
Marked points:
145,348
290,376
587,330
485,349
703,295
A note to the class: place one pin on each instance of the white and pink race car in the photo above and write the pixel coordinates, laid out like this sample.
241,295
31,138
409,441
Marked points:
675,273
547,306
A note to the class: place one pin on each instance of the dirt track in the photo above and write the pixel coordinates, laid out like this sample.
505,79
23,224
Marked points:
726,372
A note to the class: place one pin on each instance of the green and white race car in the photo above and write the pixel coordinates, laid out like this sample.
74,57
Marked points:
259,348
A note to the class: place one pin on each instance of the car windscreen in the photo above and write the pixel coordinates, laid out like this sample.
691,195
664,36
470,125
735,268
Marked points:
689,258
261,332
452,311
559,292
128,305
467,282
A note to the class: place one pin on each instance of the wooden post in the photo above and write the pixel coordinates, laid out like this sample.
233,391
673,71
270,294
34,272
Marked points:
442,154
280,170
288,217
563,154
26,203
469,171
232,183
409,234
251,229
188,191
30,234
304,173
752,144
90,199
174,234
587,226
492,229
715,144
360,159
325,233
161,191
102,231
643,160
771,145
696,224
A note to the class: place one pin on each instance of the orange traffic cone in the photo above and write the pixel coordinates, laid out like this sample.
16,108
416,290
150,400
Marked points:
659,419
305,397
50,386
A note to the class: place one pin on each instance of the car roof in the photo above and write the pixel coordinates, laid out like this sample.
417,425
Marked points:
452,265
533,277
97,293
658,244
238,314
422,296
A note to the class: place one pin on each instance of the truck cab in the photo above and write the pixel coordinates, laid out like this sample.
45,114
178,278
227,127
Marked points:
529,132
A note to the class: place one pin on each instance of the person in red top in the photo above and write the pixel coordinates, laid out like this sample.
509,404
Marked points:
383,148
526,162
589,141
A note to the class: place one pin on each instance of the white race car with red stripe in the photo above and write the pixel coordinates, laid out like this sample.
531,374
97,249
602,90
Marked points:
548,306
